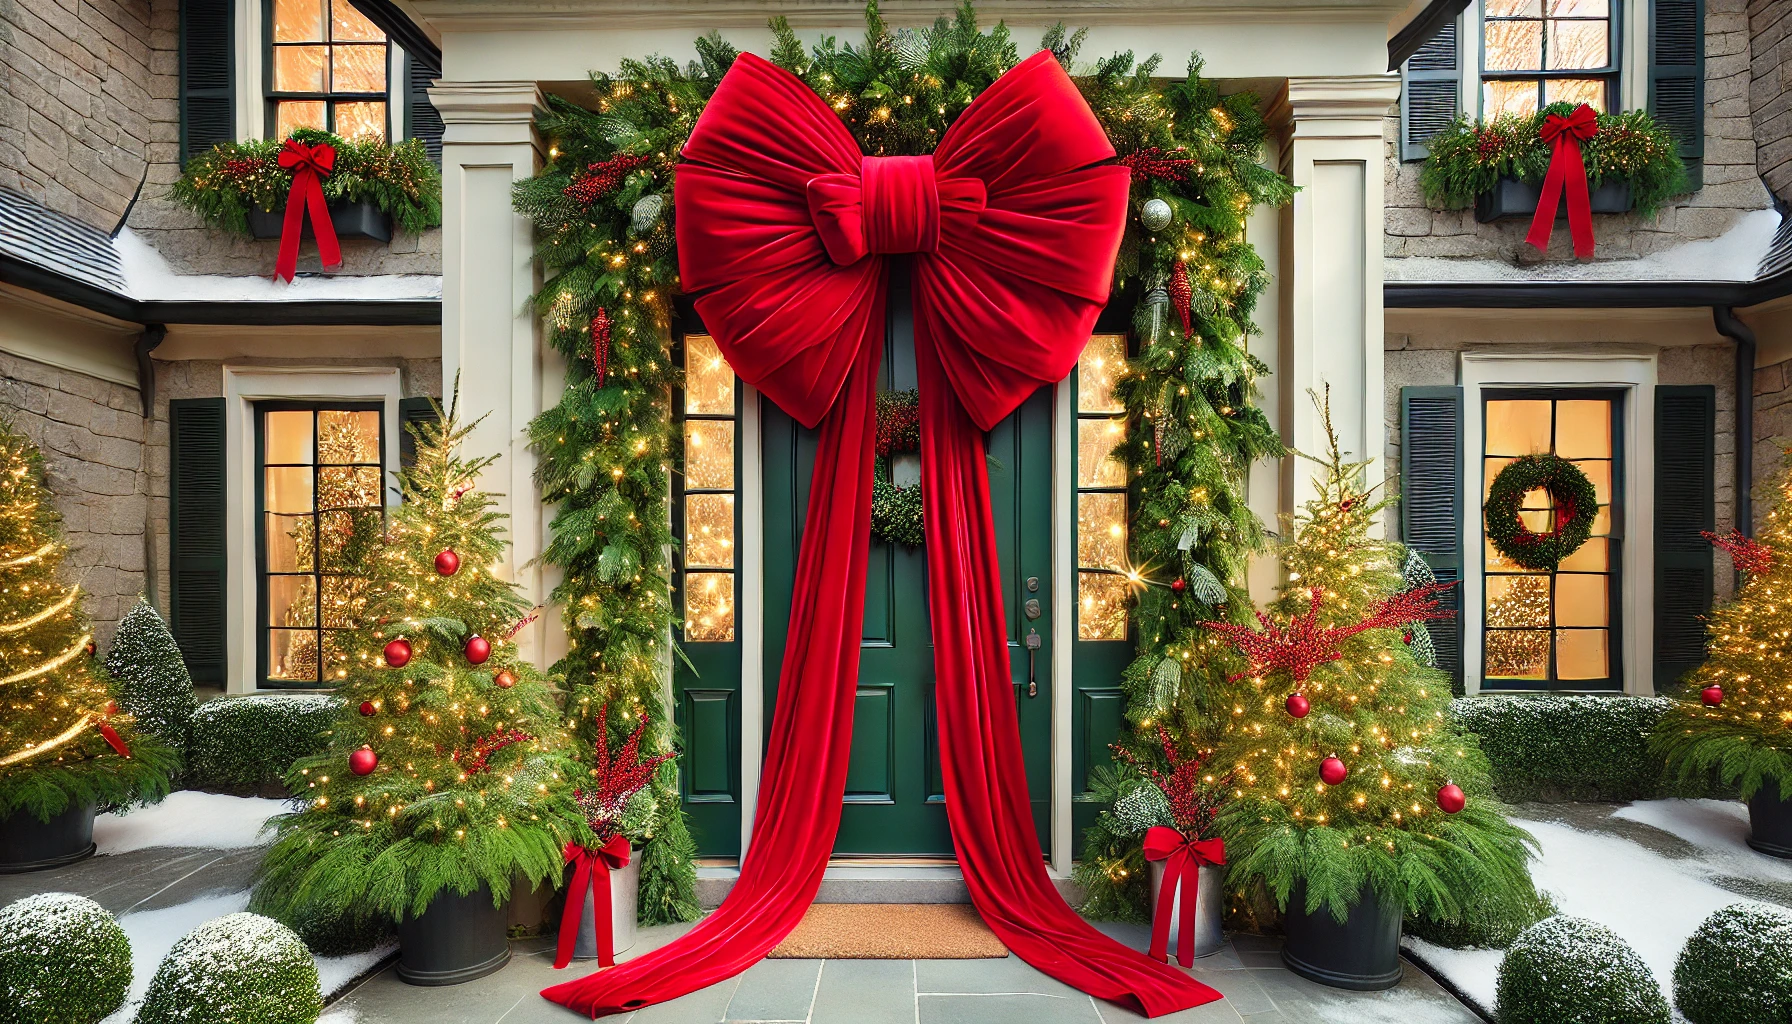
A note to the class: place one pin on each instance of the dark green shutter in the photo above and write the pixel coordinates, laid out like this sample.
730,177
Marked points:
1685,504
412,412
1677,76
1429,84
197,562
422,120
1431,502
207,75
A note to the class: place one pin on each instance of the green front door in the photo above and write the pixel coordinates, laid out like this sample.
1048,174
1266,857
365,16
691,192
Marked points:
895,803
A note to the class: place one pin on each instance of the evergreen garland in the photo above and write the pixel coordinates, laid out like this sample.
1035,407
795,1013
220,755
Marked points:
224,183
604,236
1470,157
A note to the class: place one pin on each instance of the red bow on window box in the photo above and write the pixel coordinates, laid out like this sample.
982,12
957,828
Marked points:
310,165
1567,172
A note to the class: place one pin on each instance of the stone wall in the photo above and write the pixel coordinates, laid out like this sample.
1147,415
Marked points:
1732,183
1413,361
204,378
1773,430
1770,90
92,436
87,92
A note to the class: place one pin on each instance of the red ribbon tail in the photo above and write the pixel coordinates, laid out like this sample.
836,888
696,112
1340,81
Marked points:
329,250
1580,204
601,914
287,263
1543,222
1166,905
575,905
1185,918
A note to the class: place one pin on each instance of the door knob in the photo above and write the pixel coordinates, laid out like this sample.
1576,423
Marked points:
1032,608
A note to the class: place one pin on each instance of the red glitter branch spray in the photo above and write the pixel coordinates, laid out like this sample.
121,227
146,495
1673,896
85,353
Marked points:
601,179
1746,553
1304,645
600,345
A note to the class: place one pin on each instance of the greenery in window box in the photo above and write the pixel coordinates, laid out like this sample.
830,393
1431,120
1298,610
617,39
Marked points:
1470,157
224,183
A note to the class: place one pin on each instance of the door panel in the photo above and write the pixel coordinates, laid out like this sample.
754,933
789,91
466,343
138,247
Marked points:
894,803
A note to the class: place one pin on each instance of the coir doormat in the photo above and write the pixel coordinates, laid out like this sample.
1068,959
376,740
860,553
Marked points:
891,931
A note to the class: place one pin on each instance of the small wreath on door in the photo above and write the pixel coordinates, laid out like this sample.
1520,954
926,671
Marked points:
1572,496
896,510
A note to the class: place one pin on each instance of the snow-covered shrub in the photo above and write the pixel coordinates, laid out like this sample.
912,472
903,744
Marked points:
246,744
237,969
1549,747
1571,969
1737,968
153,683
63,960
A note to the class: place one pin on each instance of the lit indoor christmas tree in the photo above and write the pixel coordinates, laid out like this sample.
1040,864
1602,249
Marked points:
1739,724
1347,773
347,530
64,743
448,765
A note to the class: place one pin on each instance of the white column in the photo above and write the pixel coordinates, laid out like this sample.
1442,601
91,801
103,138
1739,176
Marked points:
1331,323
490,336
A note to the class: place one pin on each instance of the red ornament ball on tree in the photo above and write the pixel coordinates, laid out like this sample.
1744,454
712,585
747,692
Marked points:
1712,696
1451,798
398,653
478,649
1179,585
363,761
504,679
1298,705
447,562
1332,771
367,708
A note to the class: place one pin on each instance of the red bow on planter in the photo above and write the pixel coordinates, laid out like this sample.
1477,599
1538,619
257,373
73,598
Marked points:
1567,171
613,854
1184,857
310,165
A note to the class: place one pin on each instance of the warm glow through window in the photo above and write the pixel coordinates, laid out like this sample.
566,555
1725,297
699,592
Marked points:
1538,52
327,69
708,493
1103,593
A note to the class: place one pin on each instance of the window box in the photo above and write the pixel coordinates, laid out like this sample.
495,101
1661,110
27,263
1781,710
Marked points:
1514,198
352,219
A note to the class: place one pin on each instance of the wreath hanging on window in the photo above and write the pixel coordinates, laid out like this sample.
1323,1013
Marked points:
1571,494
896,510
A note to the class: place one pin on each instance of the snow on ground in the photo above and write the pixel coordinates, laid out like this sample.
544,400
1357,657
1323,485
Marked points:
210,821
1654,902
1733,256
154,932
1719,828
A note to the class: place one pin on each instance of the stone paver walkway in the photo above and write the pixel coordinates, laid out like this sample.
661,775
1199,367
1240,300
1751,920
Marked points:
1258,990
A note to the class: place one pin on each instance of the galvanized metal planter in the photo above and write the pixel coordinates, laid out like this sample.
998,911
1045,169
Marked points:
1210,907
625,887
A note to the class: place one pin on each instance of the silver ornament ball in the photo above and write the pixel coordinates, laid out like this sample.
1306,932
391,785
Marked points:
646,213
1155,215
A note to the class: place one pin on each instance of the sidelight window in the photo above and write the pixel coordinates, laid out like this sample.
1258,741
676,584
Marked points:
708,498
1104,594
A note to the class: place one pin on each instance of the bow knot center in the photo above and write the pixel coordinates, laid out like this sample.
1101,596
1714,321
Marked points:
902,204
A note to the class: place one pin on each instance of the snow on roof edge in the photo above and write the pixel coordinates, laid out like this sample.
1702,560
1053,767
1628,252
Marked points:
149,278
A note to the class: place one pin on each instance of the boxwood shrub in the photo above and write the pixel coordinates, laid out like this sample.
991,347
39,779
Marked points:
1737,968
1569,969
153,684
246,744
237,969
63,960
1570,747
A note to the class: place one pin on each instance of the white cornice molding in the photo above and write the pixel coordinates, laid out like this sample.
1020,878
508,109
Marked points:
1342,107
487,113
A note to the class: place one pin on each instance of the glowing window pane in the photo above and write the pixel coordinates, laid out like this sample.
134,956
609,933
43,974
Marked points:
1518,601
348,487
1584,429
1593,556
287,490
301,69
291,115
1517,653
342,600
299,21
1095,439
1508,97
709,454
1102,360
1578,45
358,69
345,437
348,24
1103,600
1512,8
1590,91
292,600
1582,654
709,530
709,606
1580,8
1582,600
708,379
1101,531
292,655
1514,46
1517,428
361,120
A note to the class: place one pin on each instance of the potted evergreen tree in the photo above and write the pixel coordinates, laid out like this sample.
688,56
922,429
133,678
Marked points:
66,749
447,775
1354,799
1738,724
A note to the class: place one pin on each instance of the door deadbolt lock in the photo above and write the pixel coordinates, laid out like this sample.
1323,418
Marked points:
1032,584
1032,608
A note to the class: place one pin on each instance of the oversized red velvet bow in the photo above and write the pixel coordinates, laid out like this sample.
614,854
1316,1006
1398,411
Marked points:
1184,858
590,873
1567,171
783,226
310,165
